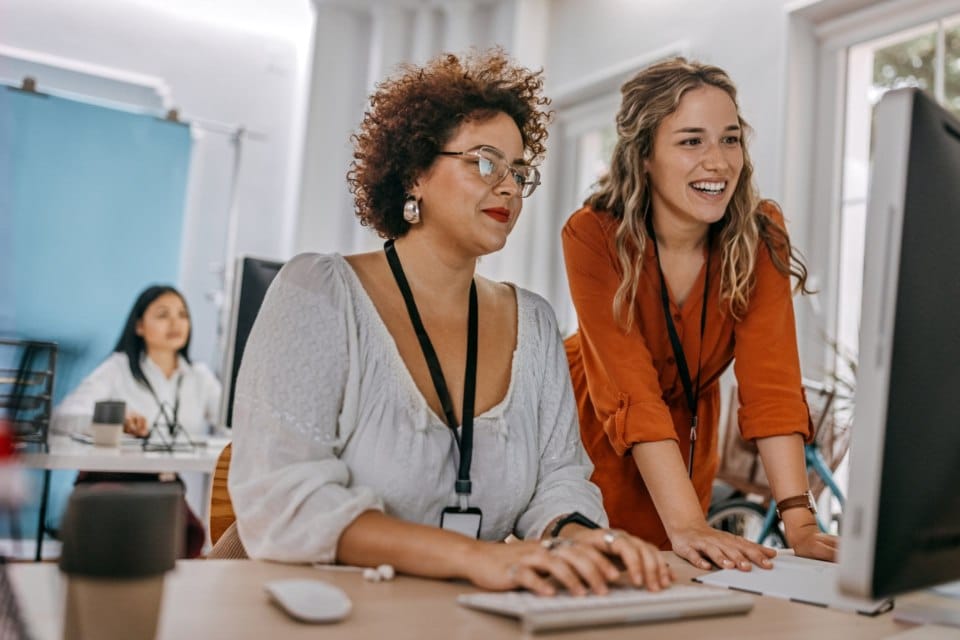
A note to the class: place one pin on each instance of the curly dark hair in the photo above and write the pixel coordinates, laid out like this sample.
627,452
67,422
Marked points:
413,114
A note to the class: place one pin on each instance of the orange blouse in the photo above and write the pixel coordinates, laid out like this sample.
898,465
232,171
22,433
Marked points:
627,386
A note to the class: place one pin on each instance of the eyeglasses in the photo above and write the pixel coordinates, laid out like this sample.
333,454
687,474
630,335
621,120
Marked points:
493,167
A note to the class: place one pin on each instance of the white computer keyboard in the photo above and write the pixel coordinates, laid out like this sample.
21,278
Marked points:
619,606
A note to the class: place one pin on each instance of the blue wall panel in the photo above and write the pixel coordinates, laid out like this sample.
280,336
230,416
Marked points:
91,212
97,214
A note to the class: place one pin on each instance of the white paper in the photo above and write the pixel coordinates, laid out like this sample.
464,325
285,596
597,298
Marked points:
798,580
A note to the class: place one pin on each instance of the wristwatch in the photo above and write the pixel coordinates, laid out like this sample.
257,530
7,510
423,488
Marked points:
804,500
575,517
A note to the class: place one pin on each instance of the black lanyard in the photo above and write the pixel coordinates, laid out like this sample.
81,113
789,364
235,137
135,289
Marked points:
465,439
692,393
171,424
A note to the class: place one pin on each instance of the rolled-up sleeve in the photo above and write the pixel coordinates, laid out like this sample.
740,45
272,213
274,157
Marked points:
563,480
291,492
621,379
767,362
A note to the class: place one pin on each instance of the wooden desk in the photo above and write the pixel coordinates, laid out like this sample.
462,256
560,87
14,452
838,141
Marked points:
225,599
64,452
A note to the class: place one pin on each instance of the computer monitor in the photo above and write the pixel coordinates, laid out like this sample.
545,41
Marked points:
901,524
251,280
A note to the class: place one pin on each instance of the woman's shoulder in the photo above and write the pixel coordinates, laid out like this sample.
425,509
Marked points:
202,370
535,310
770,210
773,236
312,277
310,270
115,362
587,218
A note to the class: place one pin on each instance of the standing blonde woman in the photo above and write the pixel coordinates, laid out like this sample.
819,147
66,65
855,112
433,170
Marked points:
677,269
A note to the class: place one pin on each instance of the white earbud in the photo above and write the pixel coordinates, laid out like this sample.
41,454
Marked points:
383,572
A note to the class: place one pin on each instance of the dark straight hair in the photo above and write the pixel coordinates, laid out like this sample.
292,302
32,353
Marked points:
132,344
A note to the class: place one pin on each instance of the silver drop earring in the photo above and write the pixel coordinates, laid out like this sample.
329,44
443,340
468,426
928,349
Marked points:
411,210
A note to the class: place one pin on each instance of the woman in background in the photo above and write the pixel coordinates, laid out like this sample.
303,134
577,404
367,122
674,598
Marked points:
150,370
676,268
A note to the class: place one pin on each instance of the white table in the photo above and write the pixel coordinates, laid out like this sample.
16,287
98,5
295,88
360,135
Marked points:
66,453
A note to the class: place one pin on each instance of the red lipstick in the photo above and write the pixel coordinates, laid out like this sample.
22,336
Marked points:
500,214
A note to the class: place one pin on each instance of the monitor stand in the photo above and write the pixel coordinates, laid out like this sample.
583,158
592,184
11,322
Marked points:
938,605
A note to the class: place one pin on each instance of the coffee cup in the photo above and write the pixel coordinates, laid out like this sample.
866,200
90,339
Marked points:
107,424
119,540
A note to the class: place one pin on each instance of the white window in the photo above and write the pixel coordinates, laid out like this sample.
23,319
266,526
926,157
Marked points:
925,56
844,55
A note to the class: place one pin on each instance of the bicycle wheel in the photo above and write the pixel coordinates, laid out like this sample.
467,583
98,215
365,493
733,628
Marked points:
745,518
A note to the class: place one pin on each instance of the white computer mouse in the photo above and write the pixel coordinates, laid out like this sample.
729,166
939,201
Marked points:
309,600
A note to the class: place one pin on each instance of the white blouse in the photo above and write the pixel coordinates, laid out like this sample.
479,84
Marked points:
328,423
199,394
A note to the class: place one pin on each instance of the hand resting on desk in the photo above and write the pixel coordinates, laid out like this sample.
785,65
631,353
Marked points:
135,424
581,563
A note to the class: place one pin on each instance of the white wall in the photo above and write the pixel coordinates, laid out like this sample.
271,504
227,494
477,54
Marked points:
747,38
358,44
235,62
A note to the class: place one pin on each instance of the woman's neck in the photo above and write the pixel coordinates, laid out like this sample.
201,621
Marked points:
678,236
436,273
166,360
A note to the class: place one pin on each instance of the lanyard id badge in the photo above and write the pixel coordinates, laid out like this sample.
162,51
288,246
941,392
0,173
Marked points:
464,521
461,518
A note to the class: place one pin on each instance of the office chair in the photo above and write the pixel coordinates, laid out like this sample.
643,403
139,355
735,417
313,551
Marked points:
223,521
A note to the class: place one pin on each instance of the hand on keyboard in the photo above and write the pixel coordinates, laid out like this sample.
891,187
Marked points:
580,565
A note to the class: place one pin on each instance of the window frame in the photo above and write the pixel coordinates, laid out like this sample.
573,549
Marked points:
819,35
581,107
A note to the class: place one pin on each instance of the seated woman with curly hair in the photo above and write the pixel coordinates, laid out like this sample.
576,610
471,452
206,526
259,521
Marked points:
395,407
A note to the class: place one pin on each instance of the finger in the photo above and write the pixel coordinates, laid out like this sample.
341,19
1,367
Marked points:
737,555
758,554
589,564
529,579
716,552
667,577
653,565
596,548
826,547
129,426
693,556
831,541
629,554
555,565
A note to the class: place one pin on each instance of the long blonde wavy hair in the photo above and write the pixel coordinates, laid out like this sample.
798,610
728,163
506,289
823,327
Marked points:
624,191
